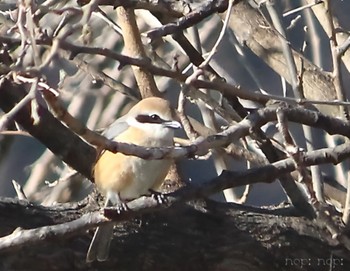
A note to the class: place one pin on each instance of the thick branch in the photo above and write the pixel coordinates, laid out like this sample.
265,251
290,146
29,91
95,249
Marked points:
145,205
134,48
214,234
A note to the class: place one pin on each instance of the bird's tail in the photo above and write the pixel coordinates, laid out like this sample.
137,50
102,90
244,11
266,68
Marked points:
99,247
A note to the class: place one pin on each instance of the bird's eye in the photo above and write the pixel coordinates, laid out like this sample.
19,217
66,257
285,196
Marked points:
155,117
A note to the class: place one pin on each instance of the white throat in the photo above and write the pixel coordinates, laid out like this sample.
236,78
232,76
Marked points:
155,131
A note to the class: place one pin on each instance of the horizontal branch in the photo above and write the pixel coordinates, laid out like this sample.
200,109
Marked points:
122,59
143,205
202,145
225,88
170,8
11,94
236,239
190,19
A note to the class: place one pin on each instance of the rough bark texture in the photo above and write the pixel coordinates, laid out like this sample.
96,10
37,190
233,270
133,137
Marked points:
201,235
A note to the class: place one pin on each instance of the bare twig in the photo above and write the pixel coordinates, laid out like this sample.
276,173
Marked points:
217,85
191,133
294,151
107,80
174,10
344,46
19,190
226,88
190,19
201,145
29,97
31,31
101,14
321,13
316,2
238,152
221,35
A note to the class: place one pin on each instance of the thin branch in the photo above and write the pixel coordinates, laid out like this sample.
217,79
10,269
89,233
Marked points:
238,152
123,59
321,13
169,8
186,124
343,47
201,145
191,133
31,31
296,153
112,83
228,89
19,190
101,14
11,114
219,158
221,35
301,8
190,19
223,87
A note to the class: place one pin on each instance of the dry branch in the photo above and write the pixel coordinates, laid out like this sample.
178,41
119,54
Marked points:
222,235
134,48
8,92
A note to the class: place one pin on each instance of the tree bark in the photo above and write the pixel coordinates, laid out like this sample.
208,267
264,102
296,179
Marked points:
200,235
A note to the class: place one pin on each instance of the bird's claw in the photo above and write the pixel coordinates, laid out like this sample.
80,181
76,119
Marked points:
159,197
119,208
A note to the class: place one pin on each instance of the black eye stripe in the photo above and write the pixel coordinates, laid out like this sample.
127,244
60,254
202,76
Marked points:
149,119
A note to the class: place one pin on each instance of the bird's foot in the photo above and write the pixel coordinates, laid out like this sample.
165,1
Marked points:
118,208
159,197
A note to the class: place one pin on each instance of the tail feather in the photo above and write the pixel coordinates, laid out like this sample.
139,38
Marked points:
99,247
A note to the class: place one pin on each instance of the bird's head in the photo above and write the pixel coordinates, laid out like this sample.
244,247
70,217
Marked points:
155,117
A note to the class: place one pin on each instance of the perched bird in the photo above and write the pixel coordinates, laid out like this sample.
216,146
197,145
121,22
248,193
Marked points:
150,123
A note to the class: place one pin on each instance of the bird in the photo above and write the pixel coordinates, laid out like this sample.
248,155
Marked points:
120,178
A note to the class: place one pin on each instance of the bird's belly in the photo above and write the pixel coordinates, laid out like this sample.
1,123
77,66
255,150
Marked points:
147,173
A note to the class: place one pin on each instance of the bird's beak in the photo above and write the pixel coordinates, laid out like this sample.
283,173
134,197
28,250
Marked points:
172,124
